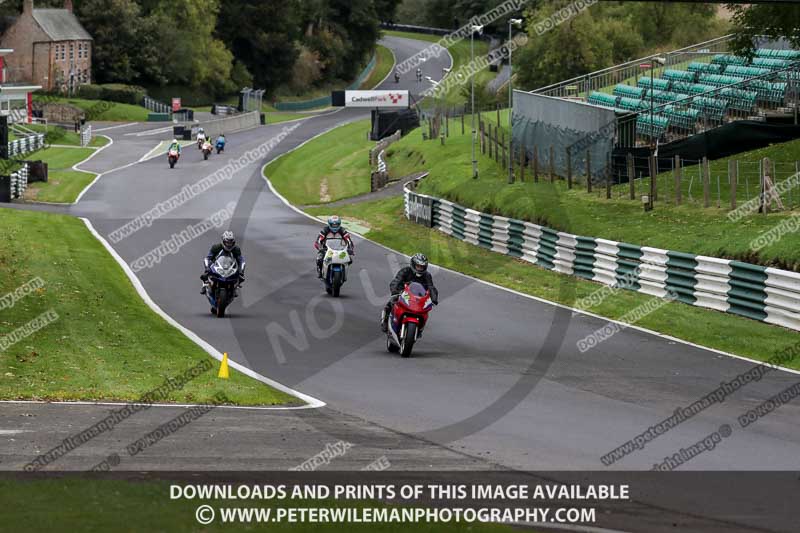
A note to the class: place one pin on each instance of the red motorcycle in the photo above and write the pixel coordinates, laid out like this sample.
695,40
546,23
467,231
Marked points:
173,157
408,318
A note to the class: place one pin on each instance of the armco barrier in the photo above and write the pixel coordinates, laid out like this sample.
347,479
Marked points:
27,144
761,293
239,122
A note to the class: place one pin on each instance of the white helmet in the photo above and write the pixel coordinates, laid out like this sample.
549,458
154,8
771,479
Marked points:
174,141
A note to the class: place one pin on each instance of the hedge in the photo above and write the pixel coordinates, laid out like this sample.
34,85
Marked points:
113,92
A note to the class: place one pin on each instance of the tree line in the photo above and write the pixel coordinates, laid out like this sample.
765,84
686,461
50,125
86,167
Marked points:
216,47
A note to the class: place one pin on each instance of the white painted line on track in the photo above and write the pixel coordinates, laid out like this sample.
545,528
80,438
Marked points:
173,405
115,127
312,402
568,527
624,325
14,431
149,132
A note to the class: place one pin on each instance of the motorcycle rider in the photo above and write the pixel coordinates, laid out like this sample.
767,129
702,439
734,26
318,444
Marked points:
396,77
221,141
201,136
226,246
333,230
417,271
174,145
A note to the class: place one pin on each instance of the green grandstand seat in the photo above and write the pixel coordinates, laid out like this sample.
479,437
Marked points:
683,118
658,83
740,99
747,72
778,54
713,108
632,104
602,99
654,126
628,91
725,59
679,75
770,63
704,68
700,88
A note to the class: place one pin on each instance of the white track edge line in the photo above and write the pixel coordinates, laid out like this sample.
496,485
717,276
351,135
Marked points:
518,293
312,402
115,127
176,405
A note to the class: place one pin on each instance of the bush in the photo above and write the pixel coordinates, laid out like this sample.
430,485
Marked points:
113,92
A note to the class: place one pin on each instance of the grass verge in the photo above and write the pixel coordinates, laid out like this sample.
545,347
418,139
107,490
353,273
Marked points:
101,505
102,110
106,343
684,228
332,167
384,63
64,184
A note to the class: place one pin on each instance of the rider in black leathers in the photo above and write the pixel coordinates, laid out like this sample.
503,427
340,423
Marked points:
418,271
226,246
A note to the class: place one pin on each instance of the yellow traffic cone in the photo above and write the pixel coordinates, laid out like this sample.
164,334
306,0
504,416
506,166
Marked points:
223,368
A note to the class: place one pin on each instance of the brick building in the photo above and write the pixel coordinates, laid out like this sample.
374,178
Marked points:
51,48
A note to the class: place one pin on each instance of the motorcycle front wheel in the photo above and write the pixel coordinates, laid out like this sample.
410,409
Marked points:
222,302
336,283
407,342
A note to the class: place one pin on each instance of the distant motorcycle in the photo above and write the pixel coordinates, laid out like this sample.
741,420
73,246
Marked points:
223,279
408,319
201,139
220,146
173,157
207,149
334,265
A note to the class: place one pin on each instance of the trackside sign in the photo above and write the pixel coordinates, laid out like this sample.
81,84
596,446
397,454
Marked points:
420,210
376,99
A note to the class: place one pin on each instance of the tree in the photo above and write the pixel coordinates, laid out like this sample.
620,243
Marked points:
123,53
773,21
262,37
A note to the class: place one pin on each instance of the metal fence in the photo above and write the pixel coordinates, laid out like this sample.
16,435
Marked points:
155,106
86,135
19,182
595,81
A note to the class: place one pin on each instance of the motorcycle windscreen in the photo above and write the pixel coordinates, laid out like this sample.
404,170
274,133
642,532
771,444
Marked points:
225,266
416,289
336,244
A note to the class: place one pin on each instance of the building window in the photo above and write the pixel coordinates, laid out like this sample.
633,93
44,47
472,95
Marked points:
63,52
71,51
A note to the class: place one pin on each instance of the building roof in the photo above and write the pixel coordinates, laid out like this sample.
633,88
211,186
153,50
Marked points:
61,25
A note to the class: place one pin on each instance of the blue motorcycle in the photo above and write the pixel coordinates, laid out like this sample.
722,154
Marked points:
220,145
223,278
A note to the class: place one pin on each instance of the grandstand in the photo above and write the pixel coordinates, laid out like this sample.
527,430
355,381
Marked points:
592,122
698,88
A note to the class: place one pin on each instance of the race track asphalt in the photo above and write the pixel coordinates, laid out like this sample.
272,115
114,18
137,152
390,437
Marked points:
497,376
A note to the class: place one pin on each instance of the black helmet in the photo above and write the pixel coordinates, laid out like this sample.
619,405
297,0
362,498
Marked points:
419,263
228,241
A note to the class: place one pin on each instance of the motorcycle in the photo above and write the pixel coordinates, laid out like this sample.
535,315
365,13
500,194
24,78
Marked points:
207,149
201,139
173,157
408,318
220,146
334,265
223,278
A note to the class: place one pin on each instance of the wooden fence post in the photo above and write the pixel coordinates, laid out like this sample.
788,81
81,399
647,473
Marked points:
608,177
733,178
706,183
631,175
552,164
521,164
536,164
489,127
653,179
677,175
569,168
588,171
